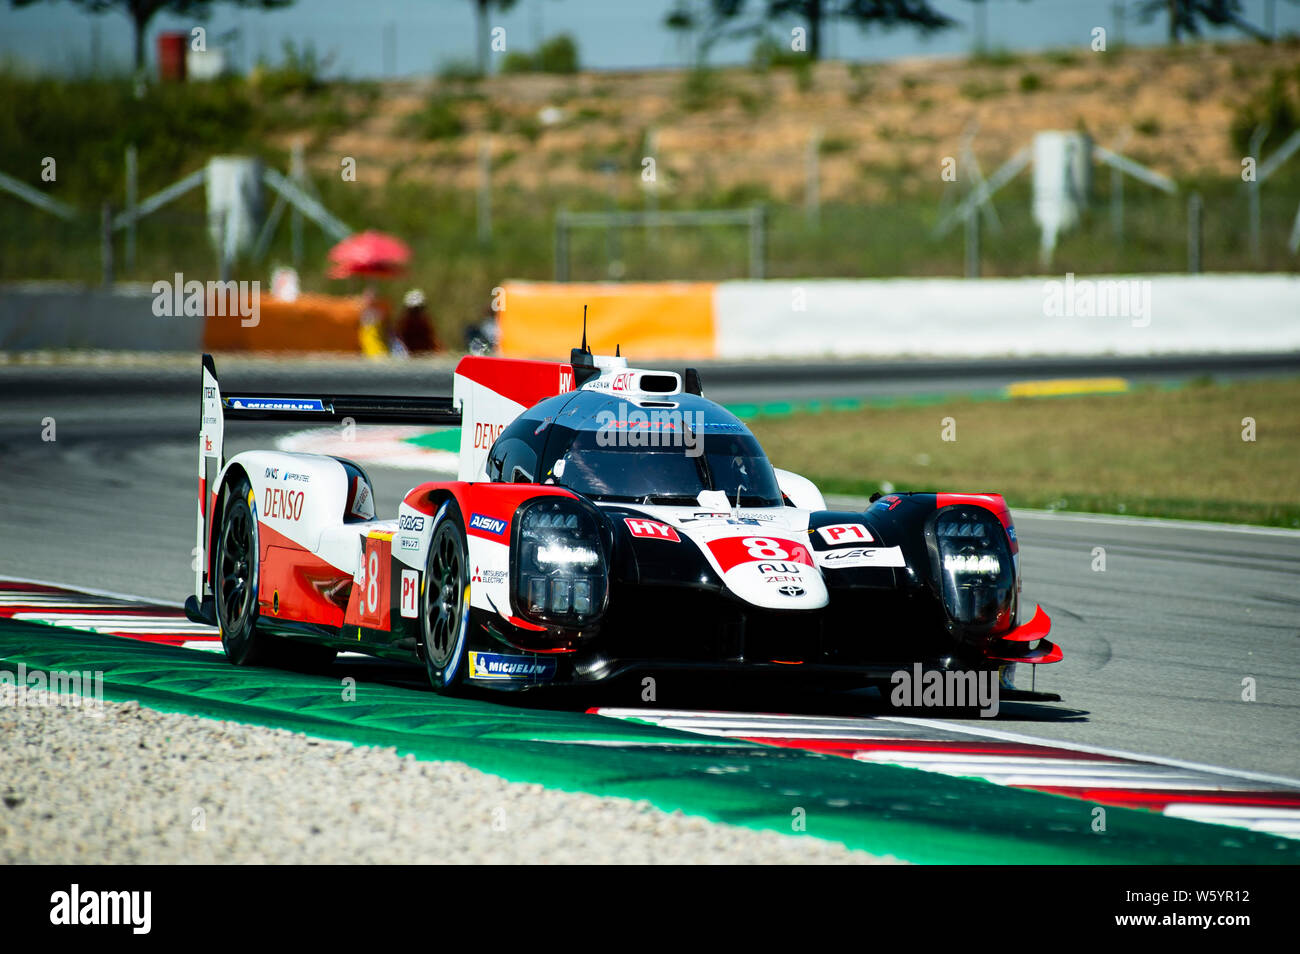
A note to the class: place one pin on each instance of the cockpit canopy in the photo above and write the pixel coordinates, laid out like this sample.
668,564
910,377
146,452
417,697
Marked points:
610,448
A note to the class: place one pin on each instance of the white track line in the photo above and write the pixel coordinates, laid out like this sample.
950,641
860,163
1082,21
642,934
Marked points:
1076,516
88,591
1096,750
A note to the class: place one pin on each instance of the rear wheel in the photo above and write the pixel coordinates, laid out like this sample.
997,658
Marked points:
444,600
235,586
236,595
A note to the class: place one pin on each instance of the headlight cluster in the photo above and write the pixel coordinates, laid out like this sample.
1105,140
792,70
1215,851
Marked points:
975,569
559,570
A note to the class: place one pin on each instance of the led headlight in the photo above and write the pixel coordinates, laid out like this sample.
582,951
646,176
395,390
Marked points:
976,576
559,571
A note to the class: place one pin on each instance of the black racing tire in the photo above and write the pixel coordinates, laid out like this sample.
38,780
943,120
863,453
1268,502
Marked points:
234,583
235,589
444,601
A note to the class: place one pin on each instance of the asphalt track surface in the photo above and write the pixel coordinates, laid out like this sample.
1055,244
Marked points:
1156,647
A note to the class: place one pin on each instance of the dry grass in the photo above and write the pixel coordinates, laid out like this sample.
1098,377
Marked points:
736,126
1165,453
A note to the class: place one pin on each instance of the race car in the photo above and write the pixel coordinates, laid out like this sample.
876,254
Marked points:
606,521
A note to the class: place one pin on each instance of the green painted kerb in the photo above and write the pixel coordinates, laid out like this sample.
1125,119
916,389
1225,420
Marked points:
916,815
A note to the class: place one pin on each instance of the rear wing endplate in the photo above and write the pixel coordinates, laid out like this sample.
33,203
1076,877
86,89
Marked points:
307,407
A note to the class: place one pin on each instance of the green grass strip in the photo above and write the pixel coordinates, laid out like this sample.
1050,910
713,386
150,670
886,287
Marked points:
916,815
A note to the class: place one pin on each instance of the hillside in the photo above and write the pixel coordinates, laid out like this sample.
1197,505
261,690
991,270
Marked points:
883,127
724,138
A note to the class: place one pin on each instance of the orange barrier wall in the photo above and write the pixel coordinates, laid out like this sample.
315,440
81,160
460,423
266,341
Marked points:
311,323
648,320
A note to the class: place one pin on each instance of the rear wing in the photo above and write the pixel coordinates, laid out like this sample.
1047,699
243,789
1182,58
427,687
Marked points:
306,407
488,394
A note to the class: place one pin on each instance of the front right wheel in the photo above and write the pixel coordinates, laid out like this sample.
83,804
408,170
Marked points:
444,600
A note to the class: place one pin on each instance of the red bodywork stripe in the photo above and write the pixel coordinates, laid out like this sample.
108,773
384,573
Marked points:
522,381
498,501
311,590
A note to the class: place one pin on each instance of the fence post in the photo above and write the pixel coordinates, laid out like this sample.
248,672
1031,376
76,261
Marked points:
106,242
1252,192
1194,233
131,173
973,242
651,188
812,188
757,242
484,191
561,248
224,255
1117,203
298,175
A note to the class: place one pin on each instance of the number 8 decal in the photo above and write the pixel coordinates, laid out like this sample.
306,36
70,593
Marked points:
372,583
764,548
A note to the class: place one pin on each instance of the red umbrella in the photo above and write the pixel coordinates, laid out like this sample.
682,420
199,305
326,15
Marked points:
369,253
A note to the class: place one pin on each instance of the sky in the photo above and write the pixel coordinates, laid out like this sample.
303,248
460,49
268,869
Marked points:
384,38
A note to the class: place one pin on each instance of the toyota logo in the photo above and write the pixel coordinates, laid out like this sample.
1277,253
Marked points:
791,590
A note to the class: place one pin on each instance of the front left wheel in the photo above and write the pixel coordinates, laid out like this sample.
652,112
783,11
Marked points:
444,600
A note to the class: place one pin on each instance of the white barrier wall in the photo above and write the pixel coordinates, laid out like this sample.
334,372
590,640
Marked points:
42,316
1066,315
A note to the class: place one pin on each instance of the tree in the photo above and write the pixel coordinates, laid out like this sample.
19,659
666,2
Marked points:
724,19
482,8
1189,16
142,11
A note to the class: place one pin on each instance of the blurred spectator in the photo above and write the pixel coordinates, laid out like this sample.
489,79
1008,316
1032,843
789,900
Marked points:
415,332
374,336
483,337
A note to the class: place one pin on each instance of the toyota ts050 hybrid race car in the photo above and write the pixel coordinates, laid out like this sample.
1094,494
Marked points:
606,520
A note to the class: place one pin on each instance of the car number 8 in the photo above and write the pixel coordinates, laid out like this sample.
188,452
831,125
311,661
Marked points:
372,583
764,548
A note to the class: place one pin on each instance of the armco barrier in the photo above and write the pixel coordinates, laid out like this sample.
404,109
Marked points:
41,316
49,316
953,318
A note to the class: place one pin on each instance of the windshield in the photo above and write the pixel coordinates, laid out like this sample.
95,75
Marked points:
732,463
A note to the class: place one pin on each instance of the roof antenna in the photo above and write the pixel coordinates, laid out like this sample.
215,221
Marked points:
584,364
616,353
